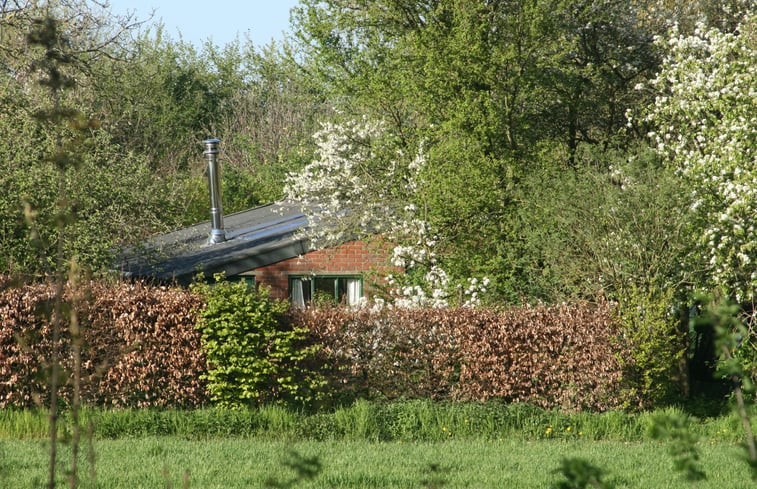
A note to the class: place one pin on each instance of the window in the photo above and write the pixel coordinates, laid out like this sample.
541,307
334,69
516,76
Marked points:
247,278
322,288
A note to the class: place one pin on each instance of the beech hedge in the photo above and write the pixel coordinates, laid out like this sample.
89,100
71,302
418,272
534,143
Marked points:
564,356
142,349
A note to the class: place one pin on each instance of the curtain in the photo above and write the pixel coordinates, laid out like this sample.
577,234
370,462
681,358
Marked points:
298,297
353,291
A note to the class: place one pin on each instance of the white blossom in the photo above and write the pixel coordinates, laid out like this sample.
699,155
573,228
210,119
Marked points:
354,188
705,125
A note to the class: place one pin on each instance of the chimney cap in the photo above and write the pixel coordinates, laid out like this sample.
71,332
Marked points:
211,145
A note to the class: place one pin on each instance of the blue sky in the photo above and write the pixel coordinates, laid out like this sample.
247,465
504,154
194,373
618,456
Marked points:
220,20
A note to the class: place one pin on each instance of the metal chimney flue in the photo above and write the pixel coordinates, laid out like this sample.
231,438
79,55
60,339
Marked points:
217,233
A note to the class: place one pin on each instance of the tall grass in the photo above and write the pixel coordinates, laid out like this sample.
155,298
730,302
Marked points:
26,423
366,421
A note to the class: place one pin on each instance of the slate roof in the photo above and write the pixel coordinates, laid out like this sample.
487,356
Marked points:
254,238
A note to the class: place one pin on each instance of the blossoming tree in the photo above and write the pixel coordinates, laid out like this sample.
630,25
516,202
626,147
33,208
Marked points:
360,186
705,118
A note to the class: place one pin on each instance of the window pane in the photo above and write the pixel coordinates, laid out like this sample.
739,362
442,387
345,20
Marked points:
300,291
342,296
325,288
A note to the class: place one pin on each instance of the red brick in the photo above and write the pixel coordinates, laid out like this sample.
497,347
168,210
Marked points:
354,257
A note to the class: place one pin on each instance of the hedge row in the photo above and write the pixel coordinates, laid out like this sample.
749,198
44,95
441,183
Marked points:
563,356
140,348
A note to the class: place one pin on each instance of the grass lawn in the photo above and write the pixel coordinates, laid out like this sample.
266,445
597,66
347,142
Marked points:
161,462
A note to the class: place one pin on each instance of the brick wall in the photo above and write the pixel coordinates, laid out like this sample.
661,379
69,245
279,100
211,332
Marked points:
352,258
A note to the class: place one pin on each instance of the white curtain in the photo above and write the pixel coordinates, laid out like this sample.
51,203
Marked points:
353,291
298,298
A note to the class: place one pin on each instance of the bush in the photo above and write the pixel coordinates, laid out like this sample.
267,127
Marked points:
254,357
563,356
140,347
655,371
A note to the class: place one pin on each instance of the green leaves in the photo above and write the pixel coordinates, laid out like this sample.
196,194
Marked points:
490,91
683,443
580,474
253,357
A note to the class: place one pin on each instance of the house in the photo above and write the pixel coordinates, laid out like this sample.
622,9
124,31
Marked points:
262,245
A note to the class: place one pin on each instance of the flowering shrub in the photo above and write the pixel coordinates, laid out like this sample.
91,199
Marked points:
705,118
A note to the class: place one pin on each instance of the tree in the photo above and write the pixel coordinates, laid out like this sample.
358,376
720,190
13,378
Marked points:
688,14
267,131
490,90
158,98
358,187
705,127
110,204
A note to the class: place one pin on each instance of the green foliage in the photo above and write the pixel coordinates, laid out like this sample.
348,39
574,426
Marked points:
112,200
580,474
136,170
620,230
619,220
735,343
111,195
400,421
683,443
482,88
238,188
655,374
158,98
253,357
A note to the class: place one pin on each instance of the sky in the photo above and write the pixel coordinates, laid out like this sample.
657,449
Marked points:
219,20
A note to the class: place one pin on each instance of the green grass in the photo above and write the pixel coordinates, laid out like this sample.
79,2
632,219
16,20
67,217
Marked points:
401,444
364,421
157,462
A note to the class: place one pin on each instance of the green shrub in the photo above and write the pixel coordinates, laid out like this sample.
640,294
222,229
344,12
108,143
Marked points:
654,373
253,356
